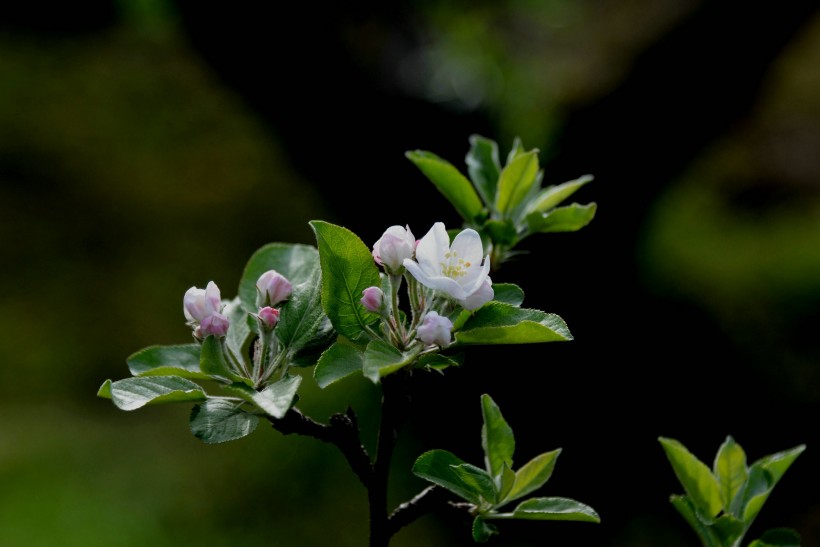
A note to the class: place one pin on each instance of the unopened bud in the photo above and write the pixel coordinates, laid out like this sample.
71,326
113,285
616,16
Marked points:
435,329
215,324
269,317
272,288
393,247
198,304
372,299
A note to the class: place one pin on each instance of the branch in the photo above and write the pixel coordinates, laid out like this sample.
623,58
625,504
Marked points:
430,500
342,431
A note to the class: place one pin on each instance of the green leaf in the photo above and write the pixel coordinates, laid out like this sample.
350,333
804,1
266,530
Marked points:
477,480
508,293
551,509
570,218
482,530
533,475
296,262
516,181
516,150
777,537
303,327
218,421
242,330
181,360
338,361
551,196
730,470
347,270
695,477
437,361
777,464
483,166
687,510
276,399
134,393
439,467
751,498
497,438
505,482
500,323
212,360
728,529
381,359
450,182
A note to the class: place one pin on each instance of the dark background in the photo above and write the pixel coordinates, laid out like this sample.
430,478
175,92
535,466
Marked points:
148,146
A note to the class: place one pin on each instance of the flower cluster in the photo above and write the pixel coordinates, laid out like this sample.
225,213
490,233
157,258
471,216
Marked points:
203,309
441,278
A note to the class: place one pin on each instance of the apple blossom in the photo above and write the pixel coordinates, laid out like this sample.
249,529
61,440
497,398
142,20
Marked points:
458,270
435,329
215,324
396,245
198,304
272,288
372,299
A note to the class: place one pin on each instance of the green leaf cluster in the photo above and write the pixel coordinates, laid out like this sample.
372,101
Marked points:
237,392
505,203
721,503
489,489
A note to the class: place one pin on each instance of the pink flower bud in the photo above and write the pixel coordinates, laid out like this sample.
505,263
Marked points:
435,329
372,299
269,316
198,304
272,288
215,324
393,247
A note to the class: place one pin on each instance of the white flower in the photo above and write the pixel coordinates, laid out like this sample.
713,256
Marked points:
456,270
199,304
396,245
435,329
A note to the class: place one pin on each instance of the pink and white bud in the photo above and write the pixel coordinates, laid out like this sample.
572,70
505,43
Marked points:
215,324
272,288
435,329
269,317
395,245
198,304
372,299
481,296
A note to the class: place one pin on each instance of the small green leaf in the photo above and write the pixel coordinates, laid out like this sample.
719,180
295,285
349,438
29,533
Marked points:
477,480
296,262
438,467
533,475
687,510
551,509
181,360
570,218
212,360
134,393
516,150
730,470
338,361
437,361
303,325
749,501
508,293
218,421
347,270
381,359
695,477
497,438
505,483
482,530
728,529
483,166
500,323
275,399
551,196
778,463
516,181
450,182
777,537
242,331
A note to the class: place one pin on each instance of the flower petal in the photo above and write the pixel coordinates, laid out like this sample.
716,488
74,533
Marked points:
432,248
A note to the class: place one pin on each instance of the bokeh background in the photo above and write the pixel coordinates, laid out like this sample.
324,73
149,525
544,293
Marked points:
150,145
